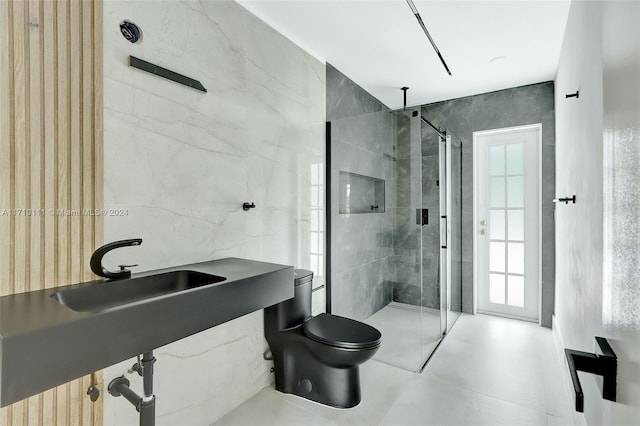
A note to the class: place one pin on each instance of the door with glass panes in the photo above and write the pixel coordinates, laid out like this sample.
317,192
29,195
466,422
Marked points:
507,221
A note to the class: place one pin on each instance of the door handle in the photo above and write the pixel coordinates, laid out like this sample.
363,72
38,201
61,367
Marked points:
443,232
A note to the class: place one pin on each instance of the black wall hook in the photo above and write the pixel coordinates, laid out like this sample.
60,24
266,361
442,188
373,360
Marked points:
565,200
573,95
246,206
604,364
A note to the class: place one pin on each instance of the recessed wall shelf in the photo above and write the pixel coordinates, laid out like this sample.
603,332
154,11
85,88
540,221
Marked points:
360,194
165,73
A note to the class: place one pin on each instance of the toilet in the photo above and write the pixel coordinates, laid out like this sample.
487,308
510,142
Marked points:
317,358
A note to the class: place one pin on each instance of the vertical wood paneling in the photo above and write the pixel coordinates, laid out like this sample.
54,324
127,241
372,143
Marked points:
36,130
50,160
48,27
75,164
98,110
87,128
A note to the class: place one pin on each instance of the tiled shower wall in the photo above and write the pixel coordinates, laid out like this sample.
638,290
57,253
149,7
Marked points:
505,108
416,186
407,237
361,244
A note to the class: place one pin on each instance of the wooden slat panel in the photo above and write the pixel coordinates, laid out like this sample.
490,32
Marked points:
10,187
63,49
49,24
49,72
50,159
98,158
36,127
20,174
6,146
35,271
75,166
87,132
98,108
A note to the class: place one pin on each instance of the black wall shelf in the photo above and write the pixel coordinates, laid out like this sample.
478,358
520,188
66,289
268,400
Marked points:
165,73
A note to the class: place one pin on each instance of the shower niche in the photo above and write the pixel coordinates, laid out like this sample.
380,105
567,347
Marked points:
360,193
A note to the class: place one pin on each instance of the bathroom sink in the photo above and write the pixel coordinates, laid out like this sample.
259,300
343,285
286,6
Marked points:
102,296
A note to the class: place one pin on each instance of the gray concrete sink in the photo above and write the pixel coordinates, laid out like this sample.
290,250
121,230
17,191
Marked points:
110,294
49,337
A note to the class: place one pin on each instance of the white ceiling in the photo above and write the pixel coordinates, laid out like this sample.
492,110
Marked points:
380,45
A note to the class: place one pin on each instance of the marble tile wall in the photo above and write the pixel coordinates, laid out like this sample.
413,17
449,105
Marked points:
361,244
505,108
182,162
598,153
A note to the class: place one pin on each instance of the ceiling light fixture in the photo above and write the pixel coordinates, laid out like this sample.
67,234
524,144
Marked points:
424,28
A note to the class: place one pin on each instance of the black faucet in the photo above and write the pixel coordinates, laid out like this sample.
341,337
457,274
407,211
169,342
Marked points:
96,259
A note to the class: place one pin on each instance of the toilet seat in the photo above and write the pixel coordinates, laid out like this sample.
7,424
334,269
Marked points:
341,332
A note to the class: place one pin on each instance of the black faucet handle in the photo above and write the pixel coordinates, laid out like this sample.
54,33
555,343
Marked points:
96,259
123,267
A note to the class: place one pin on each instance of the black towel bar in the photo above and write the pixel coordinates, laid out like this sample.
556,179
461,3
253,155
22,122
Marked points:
604,364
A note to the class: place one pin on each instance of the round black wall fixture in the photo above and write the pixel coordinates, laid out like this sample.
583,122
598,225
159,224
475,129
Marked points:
130,31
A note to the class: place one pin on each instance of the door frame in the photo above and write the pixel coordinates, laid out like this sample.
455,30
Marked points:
476,230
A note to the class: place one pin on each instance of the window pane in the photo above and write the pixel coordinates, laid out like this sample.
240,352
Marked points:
496,257
515,191
496,225
315,220
516,258
496,192
516,291
516,224
515,159
496,288
314,242
496,160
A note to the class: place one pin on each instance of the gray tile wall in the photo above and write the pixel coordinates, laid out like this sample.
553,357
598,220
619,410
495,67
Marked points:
407,238
406,234
505,108
361,244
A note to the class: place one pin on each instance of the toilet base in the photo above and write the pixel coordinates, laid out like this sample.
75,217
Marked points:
304,376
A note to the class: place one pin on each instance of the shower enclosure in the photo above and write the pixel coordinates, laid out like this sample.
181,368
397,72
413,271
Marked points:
395,230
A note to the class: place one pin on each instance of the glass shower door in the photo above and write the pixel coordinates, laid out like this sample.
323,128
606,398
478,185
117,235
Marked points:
450,231
424,206
453,305
401,320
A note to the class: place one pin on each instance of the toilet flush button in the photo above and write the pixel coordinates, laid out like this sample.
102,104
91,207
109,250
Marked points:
305,385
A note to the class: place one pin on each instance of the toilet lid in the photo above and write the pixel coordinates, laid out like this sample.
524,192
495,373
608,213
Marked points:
342,332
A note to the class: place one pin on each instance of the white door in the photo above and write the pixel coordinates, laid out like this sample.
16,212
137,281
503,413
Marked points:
507,221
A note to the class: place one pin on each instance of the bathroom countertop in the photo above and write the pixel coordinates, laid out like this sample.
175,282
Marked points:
44,343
